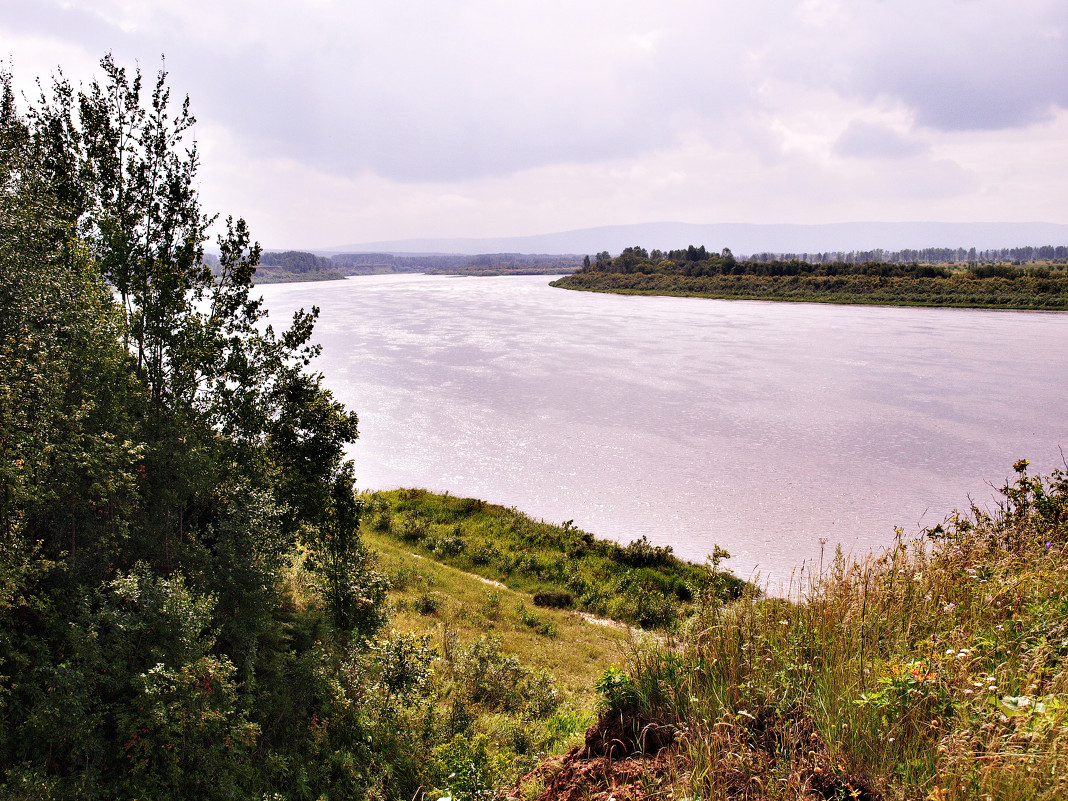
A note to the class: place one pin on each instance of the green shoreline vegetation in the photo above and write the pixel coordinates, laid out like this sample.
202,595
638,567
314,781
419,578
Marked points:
294,266
560,566
693,272
195,602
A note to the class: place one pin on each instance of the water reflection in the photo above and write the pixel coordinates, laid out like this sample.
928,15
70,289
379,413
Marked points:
761,427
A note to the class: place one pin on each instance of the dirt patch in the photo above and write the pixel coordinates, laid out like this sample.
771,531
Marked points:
601,621
618,735
626,757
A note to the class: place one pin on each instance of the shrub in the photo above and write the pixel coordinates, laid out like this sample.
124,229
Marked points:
411,528
469,769
616,689
642,553
491,607
427,602
557,599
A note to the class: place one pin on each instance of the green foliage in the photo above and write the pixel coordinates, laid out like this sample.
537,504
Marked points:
469,768
925,672
617,690
186,605
557,599
695,272
564,567
403,662
427,603
489,677
533,621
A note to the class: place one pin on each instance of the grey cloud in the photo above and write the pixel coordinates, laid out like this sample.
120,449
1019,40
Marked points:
438,92
966,66
867,140
443,99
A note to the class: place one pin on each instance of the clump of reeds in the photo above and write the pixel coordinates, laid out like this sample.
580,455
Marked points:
935,670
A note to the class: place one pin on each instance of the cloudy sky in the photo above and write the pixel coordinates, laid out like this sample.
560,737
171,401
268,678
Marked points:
328,122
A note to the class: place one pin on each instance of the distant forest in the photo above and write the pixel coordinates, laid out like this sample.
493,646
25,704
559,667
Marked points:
1016,256
294,265
938,262
695,271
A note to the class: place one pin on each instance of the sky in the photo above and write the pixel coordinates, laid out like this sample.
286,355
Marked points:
330,122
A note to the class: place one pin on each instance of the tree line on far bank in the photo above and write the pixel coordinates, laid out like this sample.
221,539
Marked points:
694,271
700,261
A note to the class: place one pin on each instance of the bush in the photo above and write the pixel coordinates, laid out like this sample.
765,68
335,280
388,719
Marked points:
491,607
556,599
411,528
469,769
642,553
427,602
617,690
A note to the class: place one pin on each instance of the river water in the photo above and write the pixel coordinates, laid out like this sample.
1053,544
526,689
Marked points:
774,430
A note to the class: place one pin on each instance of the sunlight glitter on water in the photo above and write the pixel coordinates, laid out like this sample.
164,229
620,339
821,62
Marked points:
762,427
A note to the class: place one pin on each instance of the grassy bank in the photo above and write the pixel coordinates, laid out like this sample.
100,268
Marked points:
560,566
455,606
962,288
935,671
269,275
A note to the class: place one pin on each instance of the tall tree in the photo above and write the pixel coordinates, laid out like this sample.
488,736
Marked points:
162,450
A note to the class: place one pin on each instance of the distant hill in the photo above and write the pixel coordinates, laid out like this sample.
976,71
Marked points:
742,238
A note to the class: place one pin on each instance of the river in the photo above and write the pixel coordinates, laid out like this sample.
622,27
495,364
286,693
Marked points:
775,430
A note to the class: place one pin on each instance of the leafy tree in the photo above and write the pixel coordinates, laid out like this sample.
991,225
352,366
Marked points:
163,451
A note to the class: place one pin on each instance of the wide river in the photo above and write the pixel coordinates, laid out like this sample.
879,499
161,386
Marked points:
772,429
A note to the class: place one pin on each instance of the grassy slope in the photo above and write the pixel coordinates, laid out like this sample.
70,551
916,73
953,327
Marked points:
638,584
470,607
938,670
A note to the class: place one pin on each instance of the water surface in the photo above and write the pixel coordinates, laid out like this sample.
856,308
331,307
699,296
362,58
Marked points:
762,427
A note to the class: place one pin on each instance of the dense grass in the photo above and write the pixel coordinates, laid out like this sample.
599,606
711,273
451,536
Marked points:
962,288
937,670
564,567
428,597
463,695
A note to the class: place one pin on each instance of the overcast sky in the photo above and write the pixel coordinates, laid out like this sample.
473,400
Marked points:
328,122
